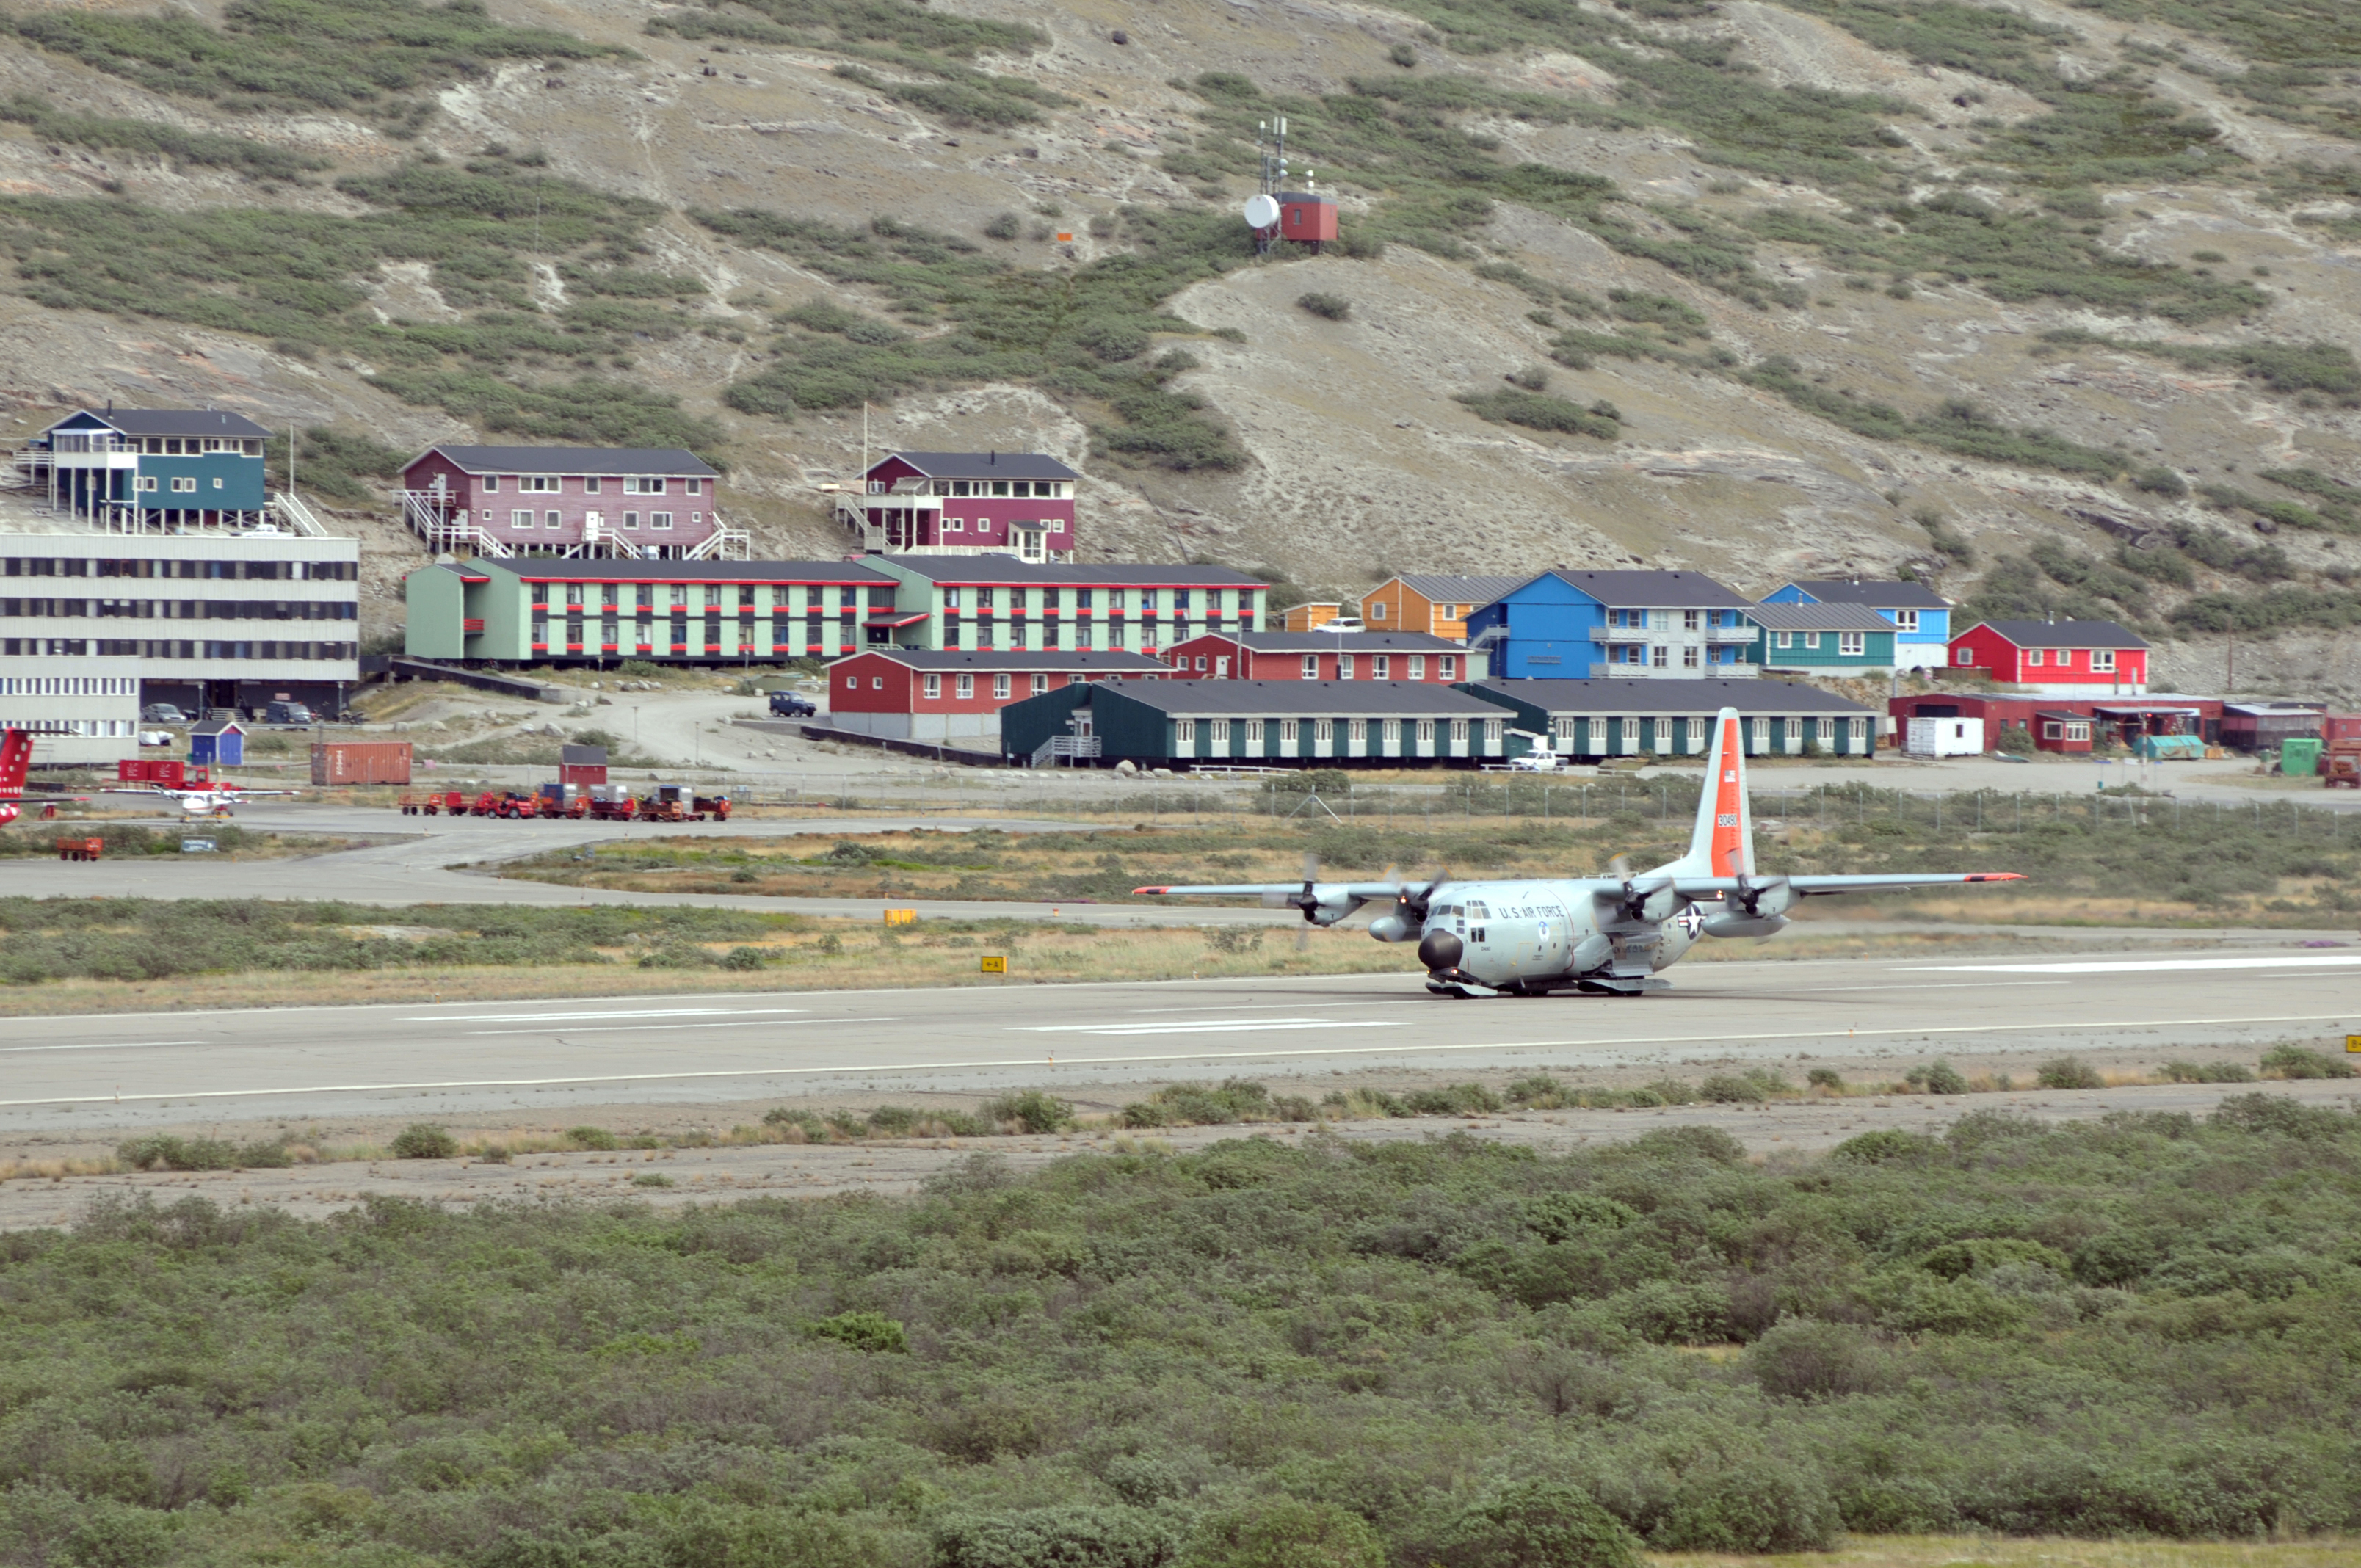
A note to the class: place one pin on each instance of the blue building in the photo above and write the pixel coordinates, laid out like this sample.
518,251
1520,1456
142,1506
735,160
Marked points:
1921,616
152,467
1567,625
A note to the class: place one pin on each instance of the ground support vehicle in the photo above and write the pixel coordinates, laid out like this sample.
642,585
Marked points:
80,849
611,803
2340,766
435,803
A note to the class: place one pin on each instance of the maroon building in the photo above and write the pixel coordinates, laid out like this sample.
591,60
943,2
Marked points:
965,503
649,502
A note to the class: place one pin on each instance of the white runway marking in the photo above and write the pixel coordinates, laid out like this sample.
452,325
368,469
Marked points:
2135,966
643,1028
102,1046
611,1013
864,1069
1220,1027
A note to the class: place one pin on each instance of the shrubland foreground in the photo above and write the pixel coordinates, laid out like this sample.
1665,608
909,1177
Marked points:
1343,1356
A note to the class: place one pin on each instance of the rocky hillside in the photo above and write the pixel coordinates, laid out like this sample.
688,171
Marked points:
2049,304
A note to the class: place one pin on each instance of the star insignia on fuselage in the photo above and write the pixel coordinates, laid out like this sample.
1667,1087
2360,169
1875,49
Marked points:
1690,919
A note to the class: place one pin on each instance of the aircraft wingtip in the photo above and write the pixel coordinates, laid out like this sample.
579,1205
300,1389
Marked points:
1136,891
1995,876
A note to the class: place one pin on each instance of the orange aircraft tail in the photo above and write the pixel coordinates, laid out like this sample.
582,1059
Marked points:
15,758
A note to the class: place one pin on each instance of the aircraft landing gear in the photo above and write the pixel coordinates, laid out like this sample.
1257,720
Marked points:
1457,992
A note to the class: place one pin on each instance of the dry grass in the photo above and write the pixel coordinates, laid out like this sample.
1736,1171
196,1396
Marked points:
872,959
2047,1552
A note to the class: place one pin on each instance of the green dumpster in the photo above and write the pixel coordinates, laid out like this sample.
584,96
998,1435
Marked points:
2299,757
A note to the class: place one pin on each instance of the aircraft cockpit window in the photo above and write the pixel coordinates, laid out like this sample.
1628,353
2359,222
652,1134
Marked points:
1478,912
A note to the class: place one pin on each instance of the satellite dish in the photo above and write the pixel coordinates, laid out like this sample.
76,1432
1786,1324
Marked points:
1261,211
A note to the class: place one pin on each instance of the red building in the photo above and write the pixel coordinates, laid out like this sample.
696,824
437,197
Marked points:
1306,219
907,693
2109,720
2065,658
965,503
655,502
1325,656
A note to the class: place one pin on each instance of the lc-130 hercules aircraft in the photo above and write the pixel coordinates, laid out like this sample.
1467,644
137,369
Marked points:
1605,935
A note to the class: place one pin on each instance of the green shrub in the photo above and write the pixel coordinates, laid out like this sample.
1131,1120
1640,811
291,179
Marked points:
167,1153
2290,1060
651,1178
1808,1359
1885,1145
1007,226
421,1140
1032,1110
870,1333
1286,1532
2067,1072
1726,1088
1329,307
1826,1078
1539,1524
1071,1537
1936,1078
894,1121
596,1139
2206,1072
1761,1505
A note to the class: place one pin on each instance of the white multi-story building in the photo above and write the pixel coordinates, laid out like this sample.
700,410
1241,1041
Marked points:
204,620
83,712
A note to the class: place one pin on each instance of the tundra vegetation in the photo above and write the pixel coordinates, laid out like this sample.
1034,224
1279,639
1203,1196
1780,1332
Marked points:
1408,1353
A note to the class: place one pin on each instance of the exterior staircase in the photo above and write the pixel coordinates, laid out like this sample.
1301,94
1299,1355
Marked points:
1046,753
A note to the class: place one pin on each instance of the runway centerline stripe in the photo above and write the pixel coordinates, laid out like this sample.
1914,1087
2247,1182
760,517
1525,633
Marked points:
2135,966
1226,1026
870,1068
630,1013
103,1046
642,1030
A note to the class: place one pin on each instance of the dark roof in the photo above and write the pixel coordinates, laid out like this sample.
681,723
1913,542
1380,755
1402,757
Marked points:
174,422
603,460
582,756
1314,699
1881,595
995,659
982,465
217,727
1644,695
2066,633
610,569
1330,641
1461,590
1818,618
1673,590
998,569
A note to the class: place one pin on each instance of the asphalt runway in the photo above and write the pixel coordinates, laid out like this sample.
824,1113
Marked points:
492,1061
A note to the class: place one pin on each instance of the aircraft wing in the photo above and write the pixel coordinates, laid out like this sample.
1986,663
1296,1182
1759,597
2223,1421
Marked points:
1715,887
1326,891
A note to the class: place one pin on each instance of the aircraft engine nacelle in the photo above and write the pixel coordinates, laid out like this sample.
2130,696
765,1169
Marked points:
1397,926
1766,901
1591,952
1635,905
1743,926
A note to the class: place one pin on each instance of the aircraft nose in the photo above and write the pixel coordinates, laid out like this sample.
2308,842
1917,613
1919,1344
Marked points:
1440,949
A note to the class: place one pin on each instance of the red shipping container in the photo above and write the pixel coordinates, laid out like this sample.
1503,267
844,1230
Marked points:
2336,726
130,769
360,762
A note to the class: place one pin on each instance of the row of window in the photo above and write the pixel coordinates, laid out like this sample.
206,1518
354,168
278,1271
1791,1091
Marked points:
183,484
711,596
222,571
554,484
1691,619
186,609
69,685
1381,666
1623,734
1077,636
1659,655
71,443
167,648
657,520
1324,732
2102,659
1020,489
963,687
985,599
92,727
1850,644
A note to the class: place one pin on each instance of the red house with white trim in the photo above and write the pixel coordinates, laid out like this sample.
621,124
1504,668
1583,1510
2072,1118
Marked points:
1327,656
651,502
910,694
2063,658
965,503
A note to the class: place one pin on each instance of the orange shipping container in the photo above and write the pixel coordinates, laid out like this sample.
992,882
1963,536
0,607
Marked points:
360,762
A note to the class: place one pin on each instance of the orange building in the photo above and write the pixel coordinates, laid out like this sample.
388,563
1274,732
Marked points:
1438,606
1308,616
